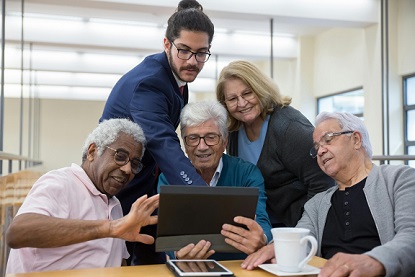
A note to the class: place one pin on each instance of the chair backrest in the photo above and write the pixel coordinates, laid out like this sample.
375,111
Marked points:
13,190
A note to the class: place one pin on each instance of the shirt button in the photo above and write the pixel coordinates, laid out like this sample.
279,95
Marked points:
347,223
347,213
184,175
190,182
346,203
347,193
181,173
187,179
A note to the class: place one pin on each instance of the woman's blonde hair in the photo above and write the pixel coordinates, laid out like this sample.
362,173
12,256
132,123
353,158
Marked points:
262,86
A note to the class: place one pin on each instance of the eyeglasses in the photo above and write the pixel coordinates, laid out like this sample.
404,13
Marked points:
121,158
185,54
325,140
233,101
194,140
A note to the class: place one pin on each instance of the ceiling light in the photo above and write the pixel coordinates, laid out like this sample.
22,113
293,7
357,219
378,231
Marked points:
46,16
124,22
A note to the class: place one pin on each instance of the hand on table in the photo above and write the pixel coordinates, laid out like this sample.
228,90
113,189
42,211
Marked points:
263,255
352,265
247,241
200,251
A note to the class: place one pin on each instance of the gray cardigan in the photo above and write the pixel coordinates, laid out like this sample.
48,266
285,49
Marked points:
390,194
291,176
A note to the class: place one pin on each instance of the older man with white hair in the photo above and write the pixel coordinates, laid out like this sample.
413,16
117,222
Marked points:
366,225
205,136
71,219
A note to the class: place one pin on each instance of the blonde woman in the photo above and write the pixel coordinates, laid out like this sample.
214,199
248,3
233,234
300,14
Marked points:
267,131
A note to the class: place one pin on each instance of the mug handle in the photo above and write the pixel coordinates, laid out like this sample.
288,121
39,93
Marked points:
313,250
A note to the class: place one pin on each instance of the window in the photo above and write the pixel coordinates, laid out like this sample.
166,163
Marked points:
409,115
351,101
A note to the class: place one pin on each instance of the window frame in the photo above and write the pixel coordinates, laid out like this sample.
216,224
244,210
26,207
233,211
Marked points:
406,109
360,115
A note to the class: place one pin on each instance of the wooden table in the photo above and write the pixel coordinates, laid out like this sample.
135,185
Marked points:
152,271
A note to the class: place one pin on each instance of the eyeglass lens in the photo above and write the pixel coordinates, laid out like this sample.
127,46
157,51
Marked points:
247,96
209,140
185,54
121,158
325,140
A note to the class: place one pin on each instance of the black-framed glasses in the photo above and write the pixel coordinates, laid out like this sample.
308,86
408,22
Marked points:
233,100
185,54
325,140
194,140
122,157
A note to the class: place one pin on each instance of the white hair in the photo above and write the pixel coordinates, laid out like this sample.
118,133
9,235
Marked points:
349,122
109,130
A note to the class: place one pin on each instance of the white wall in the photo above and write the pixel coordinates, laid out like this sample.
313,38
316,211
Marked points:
339,61
349,58
64,126
406,38
303,97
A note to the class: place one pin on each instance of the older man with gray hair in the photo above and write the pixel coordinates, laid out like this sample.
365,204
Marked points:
71,219
205,136
365,226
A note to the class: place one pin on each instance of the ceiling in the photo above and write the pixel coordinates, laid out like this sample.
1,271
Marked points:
79,48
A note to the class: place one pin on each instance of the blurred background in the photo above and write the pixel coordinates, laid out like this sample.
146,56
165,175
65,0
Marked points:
61,58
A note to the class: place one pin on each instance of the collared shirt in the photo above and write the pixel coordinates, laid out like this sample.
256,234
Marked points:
216,175
180,83
69,193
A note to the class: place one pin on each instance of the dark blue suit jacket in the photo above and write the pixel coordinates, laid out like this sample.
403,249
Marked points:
149,95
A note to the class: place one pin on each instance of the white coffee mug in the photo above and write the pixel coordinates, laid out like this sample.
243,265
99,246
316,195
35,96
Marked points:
290,245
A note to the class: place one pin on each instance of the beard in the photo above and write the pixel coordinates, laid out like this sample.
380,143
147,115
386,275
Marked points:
177,71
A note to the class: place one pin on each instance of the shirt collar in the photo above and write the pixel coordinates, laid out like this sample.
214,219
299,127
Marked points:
180,83
87,182
216,175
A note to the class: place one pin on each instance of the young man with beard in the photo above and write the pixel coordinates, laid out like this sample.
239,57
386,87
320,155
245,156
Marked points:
153,95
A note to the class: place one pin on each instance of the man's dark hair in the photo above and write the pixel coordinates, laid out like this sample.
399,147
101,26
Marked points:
187,4
189,16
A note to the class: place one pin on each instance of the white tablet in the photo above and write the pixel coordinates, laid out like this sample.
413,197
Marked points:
197,268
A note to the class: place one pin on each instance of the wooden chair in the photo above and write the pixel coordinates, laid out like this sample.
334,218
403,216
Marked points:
7,188
13,190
